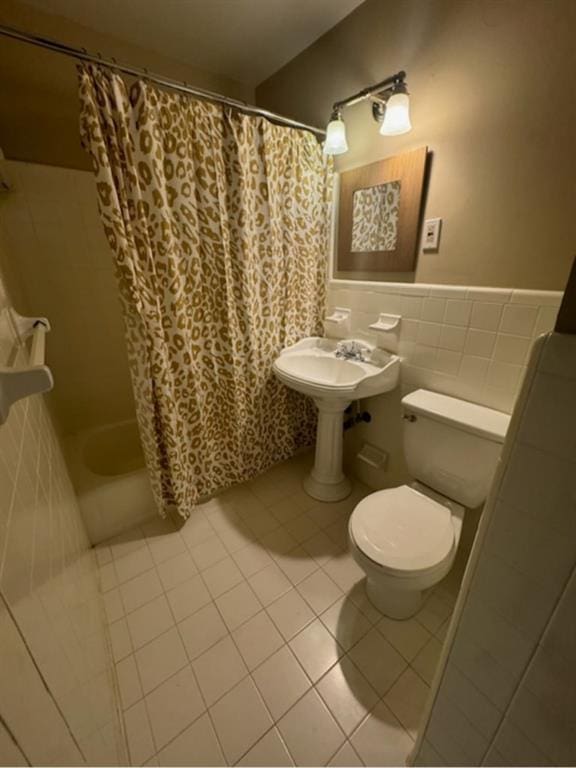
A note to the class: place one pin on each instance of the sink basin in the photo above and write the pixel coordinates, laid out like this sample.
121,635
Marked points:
311,367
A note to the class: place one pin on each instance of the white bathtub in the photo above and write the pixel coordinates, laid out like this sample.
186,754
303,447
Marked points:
110,478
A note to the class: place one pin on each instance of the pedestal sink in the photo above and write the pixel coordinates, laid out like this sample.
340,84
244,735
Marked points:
312,367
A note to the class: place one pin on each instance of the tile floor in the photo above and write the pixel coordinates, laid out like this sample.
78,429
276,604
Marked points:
246,638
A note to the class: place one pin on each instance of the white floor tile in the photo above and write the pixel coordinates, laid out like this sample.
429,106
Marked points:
138,734
196,530
278,542
133,564
347,694
310,732
107,576
377,659
426,661
290,613
302,527
176,570
269,751
346,623
140,590
406,700
126,543
316,649
149,621
128,682
252,559
381,740
262,523
287,509
237,538
173,706
434,613
269,584
344,571
240,719
281,681
209,552
319,591
202,630
346,757
165,546
219,669
160,659
257,639
188,597
322,548
221,577
238,605
408,636
113,605
197,746
297,564
120,639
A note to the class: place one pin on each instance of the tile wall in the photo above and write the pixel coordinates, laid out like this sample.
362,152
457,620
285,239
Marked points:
471,343
57,695
52,228
507,693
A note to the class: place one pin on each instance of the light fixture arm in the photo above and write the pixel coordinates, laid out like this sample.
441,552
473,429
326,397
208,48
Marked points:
393,83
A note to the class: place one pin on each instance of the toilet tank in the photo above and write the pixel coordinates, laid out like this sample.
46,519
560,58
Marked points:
451,445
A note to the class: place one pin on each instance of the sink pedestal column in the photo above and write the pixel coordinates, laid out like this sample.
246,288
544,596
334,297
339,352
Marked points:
327,482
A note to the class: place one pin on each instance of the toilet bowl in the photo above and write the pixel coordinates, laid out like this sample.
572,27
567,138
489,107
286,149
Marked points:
406,538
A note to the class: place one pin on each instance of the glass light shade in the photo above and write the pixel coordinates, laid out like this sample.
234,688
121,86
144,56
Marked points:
397,115
335,143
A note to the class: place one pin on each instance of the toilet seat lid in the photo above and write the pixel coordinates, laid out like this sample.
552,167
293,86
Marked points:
402,529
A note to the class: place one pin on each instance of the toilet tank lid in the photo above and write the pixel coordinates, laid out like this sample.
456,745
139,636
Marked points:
470,417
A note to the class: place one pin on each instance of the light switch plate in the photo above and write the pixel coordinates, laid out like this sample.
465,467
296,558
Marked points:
431,238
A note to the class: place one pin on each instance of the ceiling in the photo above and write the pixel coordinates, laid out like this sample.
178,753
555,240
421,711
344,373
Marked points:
245,40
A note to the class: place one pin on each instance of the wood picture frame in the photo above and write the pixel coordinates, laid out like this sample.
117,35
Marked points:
409,170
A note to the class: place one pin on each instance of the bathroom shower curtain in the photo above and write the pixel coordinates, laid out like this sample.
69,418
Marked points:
219,226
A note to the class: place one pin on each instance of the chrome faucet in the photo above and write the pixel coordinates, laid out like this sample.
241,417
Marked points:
351,350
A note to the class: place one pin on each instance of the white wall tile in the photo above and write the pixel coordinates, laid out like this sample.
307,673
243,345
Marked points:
518,319
56,664
510,667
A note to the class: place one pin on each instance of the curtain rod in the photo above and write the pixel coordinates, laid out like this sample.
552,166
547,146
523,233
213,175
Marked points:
83,55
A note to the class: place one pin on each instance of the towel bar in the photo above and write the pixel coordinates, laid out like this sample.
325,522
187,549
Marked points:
16,383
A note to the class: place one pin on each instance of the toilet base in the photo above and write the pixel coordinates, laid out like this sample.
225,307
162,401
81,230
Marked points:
394,603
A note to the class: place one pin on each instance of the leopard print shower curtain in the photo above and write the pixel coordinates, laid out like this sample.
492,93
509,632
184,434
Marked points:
219,227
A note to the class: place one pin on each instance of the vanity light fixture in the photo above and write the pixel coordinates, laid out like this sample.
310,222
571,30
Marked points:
335,143
390,108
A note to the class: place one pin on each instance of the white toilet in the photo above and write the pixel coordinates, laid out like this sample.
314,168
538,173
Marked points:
405,538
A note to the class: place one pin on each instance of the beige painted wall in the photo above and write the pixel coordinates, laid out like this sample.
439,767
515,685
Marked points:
38,89
62,268
493,86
